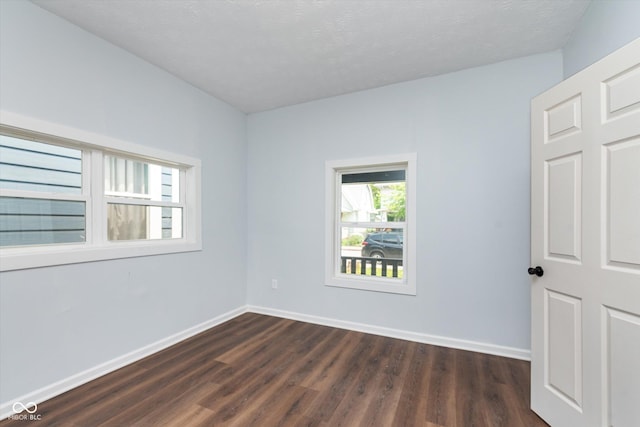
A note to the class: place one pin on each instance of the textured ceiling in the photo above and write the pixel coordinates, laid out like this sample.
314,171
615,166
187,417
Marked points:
262,54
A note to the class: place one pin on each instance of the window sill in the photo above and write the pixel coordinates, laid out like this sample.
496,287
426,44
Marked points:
373,284
35,257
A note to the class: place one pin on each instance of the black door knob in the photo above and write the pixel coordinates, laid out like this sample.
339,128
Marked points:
538,271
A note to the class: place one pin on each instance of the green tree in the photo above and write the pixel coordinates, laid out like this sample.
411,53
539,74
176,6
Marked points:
375,192
397,203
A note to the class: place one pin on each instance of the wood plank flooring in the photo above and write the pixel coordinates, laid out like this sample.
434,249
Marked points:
264,371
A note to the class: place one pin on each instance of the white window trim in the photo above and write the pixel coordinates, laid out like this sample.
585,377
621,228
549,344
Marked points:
333,277
99,248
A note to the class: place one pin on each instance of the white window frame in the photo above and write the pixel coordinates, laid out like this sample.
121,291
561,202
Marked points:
97,247
333,173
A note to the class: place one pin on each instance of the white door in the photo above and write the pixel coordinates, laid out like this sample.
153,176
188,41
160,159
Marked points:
585,236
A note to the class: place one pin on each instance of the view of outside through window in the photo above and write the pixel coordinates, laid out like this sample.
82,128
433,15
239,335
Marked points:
372,223
43,183
43,200
140,198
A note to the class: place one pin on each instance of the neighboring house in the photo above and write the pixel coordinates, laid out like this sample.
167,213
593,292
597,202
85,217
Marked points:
357,203
357,206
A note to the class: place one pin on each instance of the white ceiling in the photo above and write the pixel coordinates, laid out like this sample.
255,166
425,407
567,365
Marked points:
262,54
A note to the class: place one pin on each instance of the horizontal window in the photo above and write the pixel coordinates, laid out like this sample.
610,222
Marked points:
74,197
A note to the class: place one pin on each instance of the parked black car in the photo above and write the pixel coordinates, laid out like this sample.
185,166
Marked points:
386,244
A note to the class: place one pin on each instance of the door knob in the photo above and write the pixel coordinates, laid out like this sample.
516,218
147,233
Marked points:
538,271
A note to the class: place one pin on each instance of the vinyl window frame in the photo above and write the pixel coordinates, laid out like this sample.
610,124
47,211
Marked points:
96,246
333,172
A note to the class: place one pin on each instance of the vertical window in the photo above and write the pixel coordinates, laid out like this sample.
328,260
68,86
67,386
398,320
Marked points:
44,200
370,226
372,214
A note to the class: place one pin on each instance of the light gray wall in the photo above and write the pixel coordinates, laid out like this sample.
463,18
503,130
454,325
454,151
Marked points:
471,132
606,26
58,321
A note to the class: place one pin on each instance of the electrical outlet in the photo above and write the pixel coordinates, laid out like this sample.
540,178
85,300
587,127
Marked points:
274,284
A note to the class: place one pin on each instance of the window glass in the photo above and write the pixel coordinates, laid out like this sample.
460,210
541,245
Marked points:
371,252
372,215
26,221
141,180
50,173
138,180
35,166
140,222
373,196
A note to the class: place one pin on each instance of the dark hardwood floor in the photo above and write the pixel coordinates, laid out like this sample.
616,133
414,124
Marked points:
264,371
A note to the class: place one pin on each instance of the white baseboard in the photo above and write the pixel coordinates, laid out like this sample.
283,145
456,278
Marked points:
498,350
52,390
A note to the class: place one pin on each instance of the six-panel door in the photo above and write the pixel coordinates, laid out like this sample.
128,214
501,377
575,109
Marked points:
585,233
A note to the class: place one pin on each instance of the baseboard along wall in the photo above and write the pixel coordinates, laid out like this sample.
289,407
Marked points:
59,387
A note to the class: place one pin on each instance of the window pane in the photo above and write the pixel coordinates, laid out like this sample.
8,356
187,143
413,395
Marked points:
36,166
373,197
26,221
136,222
362,248
136,179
